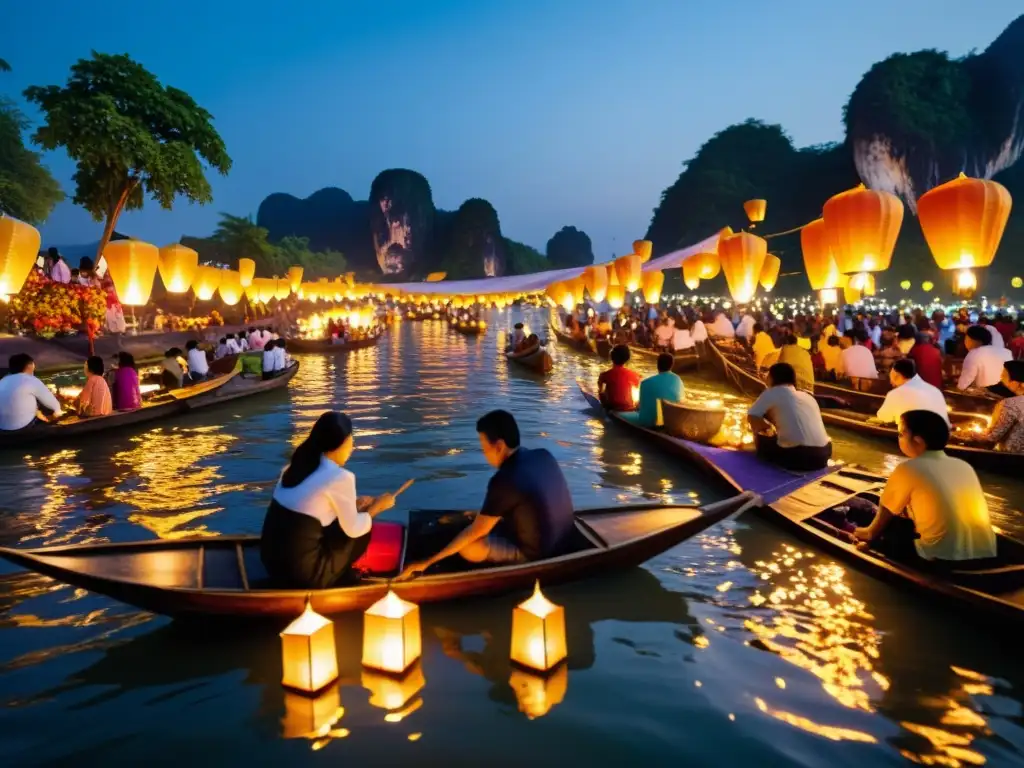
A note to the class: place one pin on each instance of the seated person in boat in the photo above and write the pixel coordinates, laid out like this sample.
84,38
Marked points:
518,337
126,392
928,359
798,357
983,366
856,361
664,385
940,496
910,393
530,344
95,398
1006,431
231,344
172,370
22,395
830,353
316,526
615,387
722,327
270,360
664,334
198,366
763,346
527,513
889,352
603,326
221,349
787,424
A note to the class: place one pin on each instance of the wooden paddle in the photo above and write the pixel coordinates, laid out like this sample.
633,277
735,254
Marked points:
405,487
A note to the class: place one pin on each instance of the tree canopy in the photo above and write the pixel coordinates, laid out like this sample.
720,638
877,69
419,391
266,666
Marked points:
570,247
130,136
28,190
238,237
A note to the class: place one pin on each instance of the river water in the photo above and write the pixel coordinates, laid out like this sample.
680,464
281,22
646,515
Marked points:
740,647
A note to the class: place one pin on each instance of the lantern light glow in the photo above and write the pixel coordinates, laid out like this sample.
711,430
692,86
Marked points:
19,246
538,633
308,653
391,634
132,265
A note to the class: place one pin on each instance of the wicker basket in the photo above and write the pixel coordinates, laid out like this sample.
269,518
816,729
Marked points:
691,422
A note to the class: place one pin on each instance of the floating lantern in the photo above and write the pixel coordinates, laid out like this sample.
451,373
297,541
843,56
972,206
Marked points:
652,282
230,286
391,634
966,283
177,266
615,297
627,269
538,632
905,285
755,210
691,273
205,282
742,256
308,654
263,288
1016,283
539,694
19,247
770,271
247,269
294,278
927,285
307,716
643,249
393,693
596,280
862,226
819,263
709,264
132,266
963,221
282,289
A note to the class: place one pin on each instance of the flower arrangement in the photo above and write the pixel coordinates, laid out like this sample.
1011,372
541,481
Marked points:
48,309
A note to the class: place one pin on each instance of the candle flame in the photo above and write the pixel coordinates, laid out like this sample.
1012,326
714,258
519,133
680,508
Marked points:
538,604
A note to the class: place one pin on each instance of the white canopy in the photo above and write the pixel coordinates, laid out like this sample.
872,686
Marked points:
538,281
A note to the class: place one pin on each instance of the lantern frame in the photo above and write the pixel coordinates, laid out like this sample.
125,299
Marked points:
310,638
538,620
392,641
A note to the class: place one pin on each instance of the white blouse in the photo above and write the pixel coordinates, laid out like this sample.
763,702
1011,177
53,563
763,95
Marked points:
328,494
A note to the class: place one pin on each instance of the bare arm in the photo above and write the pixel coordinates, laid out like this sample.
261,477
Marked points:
878,525
480,527
759,424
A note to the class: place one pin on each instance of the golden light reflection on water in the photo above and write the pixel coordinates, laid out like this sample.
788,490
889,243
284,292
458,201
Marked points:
55,468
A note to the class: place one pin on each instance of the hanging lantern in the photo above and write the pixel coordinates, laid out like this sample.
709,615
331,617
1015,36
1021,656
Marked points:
691,273
538,632
19,248
742,257
966,284
391,634
282,289
770,271
905,285
307,716
862,226
596,280
1017,282
206,281
539,694
627,269
230,286
177,266
308,654
819,263
391,692
963,221
643,249
132,265
294,278
247,269
616,297
927,285
652,282
755,210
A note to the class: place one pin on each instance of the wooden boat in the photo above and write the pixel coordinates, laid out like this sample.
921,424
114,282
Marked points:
603,347
587,346
243,385
326,346
223,366
681,361
224,577
999,462
537,359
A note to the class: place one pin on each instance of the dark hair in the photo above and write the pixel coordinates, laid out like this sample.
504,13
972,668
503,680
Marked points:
499,425
620,354
125,360
906,331
833,340
665,362
782,373
270,345
533,337
905,368
929,426
223,340
331,430
52,252
860,335
252,329
191,344
279,344
923,339
94,365
789,339
19,362
517,326
230,336
758,328
980,334
1015,368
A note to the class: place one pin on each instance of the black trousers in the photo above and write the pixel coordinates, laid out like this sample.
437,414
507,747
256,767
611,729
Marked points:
800,458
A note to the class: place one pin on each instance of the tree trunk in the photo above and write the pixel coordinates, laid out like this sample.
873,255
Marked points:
113,215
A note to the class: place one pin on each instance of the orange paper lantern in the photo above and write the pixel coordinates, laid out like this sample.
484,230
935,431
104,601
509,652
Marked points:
282,289
770,271
577,285
294,278
132,266
616,296
19,248
691,272
247,269
862,226
755,209
742,256
596,279
177,265
822,270
708,264
652,283
643,249
230,286
963,221
263,289
627,268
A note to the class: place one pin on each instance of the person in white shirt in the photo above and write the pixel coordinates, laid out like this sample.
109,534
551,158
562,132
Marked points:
682,339
270,360
21,395
243,343
745,329
875,331
281,358
722,327
222,348
664,334
910,393
997,338
231,345
946,512
787,424
983,366
198,367
115,319
518,336
857,361
60,272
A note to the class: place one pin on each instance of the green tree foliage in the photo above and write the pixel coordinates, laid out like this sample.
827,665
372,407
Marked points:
4,66
570,247
474,237
130,136
238,237
521,259
28,190
315,264
242,238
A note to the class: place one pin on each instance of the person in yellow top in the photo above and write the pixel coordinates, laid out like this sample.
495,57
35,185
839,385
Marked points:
763,346
831,351
800,359
946,515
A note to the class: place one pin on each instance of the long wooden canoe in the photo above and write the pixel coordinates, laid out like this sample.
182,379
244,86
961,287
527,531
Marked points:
244,386
224,577
537,359
999,462
681,361
327,346
587,346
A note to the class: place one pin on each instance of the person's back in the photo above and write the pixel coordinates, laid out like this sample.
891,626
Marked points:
615,386
95,399
664,385
858,362
800,359
21,394
928,361
198,365
763,346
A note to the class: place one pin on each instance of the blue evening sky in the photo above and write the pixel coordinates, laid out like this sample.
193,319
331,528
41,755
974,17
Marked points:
560,112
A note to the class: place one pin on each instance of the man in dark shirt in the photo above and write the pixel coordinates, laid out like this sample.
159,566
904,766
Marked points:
527,513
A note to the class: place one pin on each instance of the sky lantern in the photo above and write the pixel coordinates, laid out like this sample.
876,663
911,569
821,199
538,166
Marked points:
742,256
927,285
132,266
755,210
691,272
596,280
905,285
770,271
247,269
616,296
295,278
862,226
627,269
966,283
282,289
643,249
577,285
206,282
538,632
708,264
19,247
230,286
391,634
863,283
308,654
819,263
1017,282
652,282
263,289
963,221
177,265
